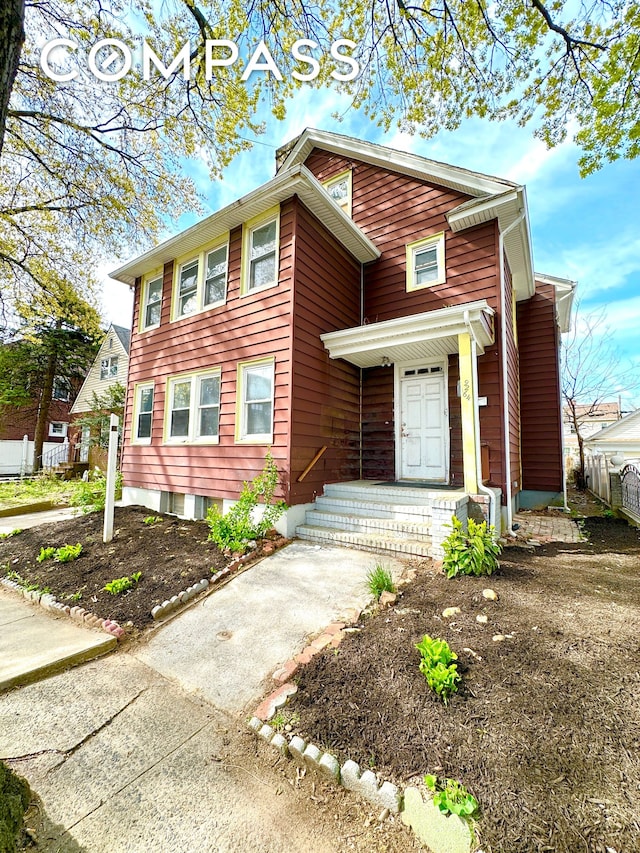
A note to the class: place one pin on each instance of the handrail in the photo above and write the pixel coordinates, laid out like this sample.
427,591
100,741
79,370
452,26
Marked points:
315,459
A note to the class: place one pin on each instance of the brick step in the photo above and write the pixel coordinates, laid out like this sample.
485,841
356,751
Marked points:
367,491
369,524
367,507
379,543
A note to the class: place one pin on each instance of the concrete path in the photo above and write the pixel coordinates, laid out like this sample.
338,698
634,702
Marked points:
32,519
225,647
34,645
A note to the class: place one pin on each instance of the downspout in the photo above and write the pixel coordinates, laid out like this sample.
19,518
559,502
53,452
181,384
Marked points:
361,401
505,376
476,417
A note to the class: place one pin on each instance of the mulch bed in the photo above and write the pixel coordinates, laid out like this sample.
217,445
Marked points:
171,554
545,730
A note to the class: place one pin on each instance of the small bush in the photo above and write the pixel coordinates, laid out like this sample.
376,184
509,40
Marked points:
451,797
120,585
437,666
91,495
45,554
379,580
237,527
472,553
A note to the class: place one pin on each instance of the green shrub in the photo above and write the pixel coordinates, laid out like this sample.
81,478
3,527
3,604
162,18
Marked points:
472,553
437,666
238,526
45,554
451,797
91,495
120,585
379,580
67,553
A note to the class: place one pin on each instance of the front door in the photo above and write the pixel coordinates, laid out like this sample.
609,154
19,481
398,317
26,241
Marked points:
423,424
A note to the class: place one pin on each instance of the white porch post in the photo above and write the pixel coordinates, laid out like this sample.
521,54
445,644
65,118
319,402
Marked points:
468,401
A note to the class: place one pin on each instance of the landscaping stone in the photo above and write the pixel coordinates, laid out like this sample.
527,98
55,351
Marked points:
280,743
490,594
256,724
286,672
329,767
311,757
268,707
389,797
482,619
350,775
387,598
266,733
440,833
321,642
448,612
297,747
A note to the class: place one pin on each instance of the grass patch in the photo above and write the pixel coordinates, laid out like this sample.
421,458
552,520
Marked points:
24,492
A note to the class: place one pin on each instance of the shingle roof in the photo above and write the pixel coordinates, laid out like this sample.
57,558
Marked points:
124,335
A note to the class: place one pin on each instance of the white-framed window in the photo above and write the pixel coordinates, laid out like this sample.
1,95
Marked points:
426,262
142,413
260,241
61,389
193,408
255,398
109,367
151,302
201,280
340,190
58,429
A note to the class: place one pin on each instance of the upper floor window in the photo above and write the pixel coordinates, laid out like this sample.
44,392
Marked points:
201,281
109,367
426,262
260,252
61,389
151,302
193,408
340,190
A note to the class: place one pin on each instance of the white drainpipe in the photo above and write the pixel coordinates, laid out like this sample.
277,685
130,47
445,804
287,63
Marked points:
505,377
476,416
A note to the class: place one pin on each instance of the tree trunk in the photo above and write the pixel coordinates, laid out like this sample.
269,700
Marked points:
43,409
12,26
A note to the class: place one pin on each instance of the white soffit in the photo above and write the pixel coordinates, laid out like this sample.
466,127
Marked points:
428,335
565,291
454,177
295,181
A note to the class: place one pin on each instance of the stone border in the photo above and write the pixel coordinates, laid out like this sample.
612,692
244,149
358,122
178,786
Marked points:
442,833
78,614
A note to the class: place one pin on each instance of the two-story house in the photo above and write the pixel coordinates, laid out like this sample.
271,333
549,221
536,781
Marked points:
371,316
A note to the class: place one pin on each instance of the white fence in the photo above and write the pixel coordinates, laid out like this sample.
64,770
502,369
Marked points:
16,457
596,469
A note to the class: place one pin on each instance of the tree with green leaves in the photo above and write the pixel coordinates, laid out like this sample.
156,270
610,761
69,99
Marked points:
97,420
92,168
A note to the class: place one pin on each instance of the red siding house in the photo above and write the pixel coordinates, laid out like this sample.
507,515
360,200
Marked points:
371,316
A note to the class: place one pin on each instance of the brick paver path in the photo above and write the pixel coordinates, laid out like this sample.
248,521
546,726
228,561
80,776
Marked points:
547,528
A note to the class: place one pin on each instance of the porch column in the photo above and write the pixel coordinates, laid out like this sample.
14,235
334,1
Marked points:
467,402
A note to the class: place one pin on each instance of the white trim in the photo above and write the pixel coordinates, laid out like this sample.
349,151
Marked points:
200,258
138,388
413,249
241,434
565,291
398,370
347,177
147,280
63,424
271,216
295,181
194,378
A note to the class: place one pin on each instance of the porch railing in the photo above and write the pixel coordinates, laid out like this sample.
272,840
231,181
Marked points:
56,456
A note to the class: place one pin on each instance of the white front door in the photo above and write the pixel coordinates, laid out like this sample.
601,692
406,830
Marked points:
423,425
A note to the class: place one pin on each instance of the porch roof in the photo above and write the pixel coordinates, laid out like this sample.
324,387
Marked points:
431,334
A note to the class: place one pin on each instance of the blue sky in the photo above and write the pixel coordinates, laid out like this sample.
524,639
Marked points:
586,229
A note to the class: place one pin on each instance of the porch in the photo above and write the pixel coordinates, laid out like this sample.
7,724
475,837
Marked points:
402,519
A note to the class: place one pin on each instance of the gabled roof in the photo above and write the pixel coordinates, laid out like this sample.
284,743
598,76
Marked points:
492,198
623,430
297,180
565,291
124,335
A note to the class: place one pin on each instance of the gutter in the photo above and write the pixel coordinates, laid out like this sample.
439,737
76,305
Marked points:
505,378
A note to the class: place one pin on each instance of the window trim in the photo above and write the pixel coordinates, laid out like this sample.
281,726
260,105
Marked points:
65,429
144,296
336,179
195,377
201,257
436,240
241,435
137,394
251,225
110,375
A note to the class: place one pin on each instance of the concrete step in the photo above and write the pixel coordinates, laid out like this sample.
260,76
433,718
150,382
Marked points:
364,490
367,507
379,543
369,524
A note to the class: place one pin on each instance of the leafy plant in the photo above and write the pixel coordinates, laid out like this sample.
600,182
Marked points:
437,666
14,532
451,797
152,519
379,580
120,585
237,527
45,554
67,553
283,719
30,587
472,553
90,494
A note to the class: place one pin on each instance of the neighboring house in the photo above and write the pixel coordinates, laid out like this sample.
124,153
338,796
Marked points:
591,420
110,365
370,316
606,451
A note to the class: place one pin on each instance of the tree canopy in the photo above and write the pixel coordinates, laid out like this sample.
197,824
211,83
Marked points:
92,167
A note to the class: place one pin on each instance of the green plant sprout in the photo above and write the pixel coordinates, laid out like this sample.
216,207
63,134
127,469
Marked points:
379,580
451,797
67,553
120,585
437,666
152,519
45,554
472,553
14,532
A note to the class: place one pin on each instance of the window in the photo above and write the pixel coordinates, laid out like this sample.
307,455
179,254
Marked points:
339,188
255,401
109,367
57,429
151,302
142,413
201,282
61,389
260,252
425,262
193,409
